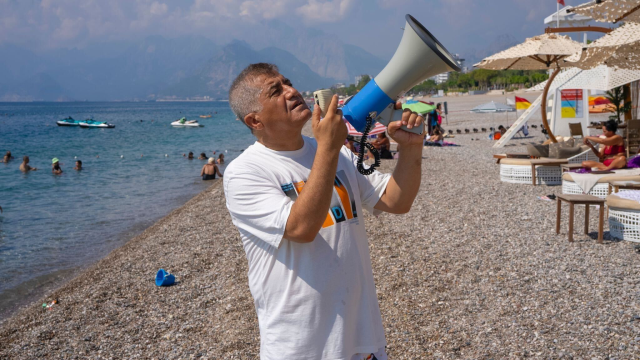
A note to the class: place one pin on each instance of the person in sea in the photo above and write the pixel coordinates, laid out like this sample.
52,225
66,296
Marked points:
190,157
202,156
78,166
220,159
24,167
210,169
298,205
613,155
7,157
55,167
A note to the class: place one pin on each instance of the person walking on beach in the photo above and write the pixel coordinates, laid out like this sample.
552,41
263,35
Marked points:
55,167
7,157
24,167
297,203
210,169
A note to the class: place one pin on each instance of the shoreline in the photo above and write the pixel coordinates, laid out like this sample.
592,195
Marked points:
475,270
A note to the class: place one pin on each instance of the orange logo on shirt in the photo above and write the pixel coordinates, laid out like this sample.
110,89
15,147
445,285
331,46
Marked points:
343,206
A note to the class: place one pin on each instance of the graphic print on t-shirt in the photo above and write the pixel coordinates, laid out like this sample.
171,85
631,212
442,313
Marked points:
343,204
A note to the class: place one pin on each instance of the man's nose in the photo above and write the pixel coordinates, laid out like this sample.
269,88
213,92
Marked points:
290,92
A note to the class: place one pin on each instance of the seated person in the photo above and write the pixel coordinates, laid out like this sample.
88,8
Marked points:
436,139
502,129
210,169
614,155
24,167
382,144
202,156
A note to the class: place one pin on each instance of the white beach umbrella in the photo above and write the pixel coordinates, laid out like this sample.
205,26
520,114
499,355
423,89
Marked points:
541,52
617,49
601,77
611,11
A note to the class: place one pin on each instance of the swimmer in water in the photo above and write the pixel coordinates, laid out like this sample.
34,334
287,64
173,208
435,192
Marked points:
202,156
7,157
209,170
55,168
24,167
78,165
221,159
190,157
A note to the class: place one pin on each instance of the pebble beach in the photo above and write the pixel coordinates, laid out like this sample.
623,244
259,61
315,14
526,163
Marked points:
474,271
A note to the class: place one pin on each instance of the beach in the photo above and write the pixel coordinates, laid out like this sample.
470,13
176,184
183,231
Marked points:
474,271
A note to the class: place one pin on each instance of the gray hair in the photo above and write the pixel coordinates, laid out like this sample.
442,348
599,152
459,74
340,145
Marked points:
243,95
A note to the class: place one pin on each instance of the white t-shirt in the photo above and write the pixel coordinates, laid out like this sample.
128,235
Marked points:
315,300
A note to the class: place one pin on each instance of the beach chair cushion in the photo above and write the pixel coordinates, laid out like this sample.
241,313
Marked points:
615,201
538,150
567,152
606,179
555,147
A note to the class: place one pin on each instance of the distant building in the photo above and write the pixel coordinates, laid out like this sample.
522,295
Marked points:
444,77
359,77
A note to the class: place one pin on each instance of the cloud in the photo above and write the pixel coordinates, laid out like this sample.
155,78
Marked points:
325,11
158,9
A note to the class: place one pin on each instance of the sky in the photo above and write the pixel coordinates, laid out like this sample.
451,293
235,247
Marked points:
374,25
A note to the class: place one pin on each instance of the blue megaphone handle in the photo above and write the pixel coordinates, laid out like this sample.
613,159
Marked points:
370,98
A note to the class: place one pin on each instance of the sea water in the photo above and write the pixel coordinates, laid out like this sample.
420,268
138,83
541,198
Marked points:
133,175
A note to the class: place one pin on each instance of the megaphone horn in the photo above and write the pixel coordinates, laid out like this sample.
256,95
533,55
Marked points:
419,56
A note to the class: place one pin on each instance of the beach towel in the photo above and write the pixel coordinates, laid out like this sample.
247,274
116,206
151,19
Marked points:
629,195
586,182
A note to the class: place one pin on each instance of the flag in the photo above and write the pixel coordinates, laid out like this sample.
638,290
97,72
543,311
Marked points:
522,103
561,2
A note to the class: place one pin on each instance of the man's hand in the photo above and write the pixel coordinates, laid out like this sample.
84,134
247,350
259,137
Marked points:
410,120
331,132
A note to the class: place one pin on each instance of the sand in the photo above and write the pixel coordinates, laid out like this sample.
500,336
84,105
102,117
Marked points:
474,271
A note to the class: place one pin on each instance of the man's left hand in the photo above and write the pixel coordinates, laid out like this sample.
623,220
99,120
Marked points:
410,120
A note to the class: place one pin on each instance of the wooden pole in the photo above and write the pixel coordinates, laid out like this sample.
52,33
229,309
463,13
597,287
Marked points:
626,91
543,105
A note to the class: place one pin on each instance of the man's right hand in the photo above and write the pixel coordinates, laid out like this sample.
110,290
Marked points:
331,132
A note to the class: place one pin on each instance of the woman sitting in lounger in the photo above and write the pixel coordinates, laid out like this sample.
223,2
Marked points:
614,155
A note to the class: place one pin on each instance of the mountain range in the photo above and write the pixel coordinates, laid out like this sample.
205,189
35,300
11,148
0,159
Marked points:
185,67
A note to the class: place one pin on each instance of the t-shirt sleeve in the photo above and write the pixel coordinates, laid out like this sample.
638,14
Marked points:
258,206
371,187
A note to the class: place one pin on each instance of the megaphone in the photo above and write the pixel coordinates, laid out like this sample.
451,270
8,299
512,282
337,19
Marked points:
419,56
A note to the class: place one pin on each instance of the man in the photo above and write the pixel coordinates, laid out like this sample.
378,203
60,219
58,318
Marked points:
78,166
297,203
24,167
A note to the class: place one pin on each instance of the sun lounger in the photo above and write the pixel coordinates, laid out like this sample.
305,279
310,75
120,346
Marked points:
624,218
601,187
519,171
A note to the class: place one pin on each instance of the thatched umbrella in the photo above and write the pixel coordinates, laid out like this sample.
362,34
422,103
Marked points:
537,53
610,10
618,49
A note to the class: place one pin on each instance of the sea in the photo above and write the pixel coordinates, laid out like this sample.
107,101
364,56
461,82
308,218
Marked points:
53,226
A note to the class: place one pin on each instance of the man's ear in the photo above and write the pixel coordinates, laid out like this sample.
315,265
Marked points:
253,122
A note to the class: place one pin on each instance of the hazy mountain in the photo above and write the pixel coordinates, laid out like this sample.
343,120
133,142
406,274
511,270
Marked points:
40,87
325,54
214,78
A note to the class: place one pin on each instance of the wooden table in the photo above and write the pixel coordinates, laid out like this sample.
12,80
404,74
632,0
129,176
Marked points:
585,200
616,186
569,167
544,162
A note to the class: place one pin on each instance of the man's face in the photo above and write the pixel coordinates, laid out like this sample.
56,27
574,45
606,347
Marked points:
283,107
